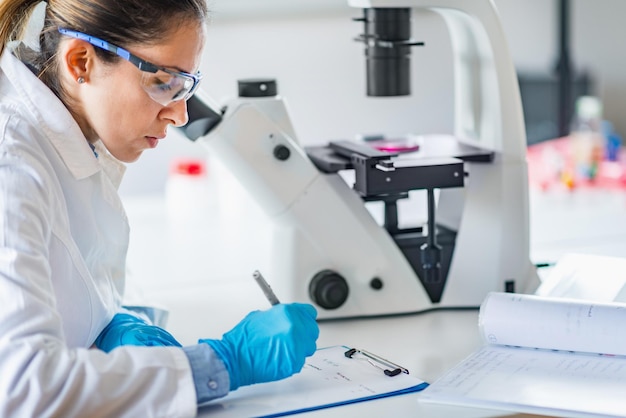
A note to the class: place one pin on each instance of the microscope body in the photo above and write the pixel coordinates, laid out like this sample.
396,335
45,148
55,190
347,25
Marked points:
328,249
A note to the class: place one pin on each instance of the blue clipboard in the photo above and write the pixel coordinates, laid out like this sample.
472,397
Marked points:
333,376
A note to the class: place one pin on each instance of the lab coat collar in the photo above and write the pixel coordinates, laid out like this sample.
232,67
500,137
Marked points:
57,123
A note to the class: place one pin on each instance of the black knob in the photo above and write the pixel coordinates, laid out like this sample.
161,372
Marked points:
328,289
257,87
281,152
376,283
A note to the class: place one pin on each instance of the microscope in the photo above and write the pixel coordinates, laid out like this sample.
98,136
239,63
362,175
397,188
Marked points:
327,247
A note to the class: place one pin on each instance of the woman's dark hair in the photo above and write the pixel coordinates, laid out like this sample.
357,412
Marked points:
121,22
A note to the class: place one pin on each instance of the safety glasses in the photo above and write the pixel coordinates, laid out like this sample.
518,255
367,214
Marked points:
162,85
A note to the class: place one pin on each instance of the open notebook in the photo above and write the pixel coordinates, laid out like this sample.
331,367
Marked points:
554,356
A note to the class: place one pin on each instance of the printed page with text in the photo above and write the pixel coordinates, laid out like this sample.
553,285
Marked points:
560,357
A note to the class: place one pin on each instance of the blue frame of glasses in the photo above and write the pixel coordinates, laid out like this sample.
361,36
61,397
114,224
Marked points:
141,64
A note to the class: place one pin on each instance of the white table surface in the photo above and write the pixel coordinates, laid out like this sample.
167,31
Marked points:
589,221
202,276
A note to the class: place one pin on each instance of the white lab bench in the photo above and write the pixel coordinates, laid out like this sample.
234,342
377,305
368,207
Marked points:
588,221
201,273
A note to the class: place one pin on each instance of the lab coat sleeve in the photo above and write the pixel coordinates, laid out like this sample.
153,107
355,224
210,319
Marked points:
39,374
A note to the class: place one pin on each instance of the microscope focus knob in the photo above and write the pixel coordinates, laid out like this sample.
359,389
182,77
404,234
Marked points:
328,289
281,152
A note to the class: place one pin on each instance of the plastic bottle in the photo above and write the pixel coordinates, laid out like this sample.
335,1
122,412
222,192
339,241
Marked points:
191,209
613,141
588,142
188,191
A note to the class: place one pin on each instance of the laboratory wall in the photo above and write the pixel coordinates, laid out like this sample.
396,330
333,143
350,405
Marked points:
309,48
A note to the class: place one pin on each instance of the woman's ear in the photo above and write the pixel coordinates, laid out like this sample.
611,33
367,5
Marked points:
77,58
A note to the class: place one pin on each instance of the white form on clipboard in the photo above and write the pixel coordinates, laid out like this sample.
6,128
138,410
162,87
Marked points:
329,378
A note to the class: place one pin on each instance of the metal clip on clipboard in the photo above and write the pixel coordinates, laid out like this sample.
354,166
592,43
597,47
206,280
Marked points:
390,369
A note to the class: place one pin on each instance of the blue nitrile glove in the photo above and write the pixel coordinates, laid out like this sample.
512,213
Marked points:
268,345
127,329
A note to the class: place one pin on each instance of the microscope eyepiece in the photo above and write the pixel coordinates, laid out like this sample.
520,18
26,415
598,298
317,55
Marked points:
257,87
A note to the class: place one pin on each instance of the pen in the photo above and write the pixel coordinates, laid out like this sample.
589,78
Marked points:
267,290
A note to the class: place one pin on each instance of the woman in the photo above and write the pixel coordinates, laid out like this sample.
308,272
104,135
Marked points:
101,84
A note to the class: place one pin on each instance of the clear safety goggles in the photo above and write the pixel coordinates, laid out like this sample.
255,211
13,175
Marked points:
162,85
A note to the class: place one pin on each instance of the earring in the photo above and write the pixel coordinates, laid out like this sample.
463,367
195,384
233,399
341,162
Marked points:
80,80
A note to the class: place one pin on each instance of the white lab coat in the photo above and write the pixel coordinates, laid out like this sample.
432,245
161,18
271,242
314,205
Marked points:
63,242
